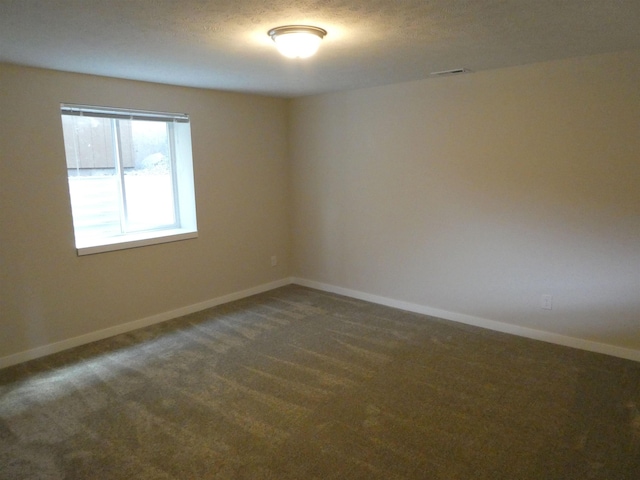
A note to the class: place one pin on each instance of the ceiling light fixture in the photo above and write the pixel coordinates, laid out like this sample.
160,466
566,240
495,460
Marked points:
297,41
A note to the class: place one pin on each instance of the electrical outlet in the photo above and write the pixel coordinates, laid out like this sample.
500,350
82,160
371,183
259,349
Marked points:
546,302
274,260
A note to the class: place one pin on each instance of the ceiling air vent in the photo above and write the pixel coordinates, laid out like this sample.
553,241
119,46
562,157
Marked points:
455,71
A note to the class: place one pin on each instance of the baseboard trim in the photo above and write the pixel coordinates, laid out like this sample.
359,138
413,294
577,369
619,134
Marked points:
56,347
544,336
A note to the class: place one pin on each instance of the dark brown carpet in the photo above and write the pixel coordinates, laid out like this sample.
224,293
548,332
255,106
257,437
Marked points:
300,384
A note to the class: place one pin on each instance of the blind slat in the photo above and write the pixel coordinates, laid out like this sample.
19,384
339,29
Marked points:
121,113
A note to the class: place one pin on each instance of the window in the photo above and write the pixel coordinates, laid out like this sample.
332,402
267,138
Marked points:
130,177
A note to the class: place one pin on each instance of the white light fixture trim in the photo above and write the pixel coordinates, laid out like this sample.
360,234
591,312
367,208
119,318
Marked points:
297,41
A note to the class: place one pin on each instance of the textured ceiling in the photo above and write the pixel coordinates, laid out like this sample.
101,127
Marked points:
223,44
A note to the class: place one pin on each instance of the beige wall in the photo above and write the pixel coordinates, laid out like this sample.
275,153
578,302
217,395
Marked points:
48,294
477,194
473,194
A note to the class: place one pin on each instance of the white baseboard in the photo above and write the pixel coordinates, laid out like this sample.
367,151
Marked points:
545,336
550,337
136,324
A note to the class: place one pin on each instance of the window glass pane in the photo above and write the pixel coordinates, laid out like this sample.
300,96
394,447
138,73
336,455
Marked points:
130,177
93,181
148,179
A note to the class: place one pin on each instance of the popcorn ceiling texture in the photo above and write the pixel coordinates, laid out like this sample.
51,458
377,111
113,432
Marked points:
224,44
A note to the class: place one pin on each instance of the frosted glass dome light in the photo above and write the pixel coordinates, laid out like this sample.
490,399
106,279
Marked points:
297,41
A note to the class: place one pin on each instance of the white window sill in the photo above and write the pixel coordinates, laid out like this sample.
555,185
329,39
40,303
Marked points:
92,246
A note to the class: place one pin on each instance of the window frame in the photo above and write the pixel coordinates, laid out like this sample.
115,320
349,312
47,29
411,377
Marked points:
179,137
